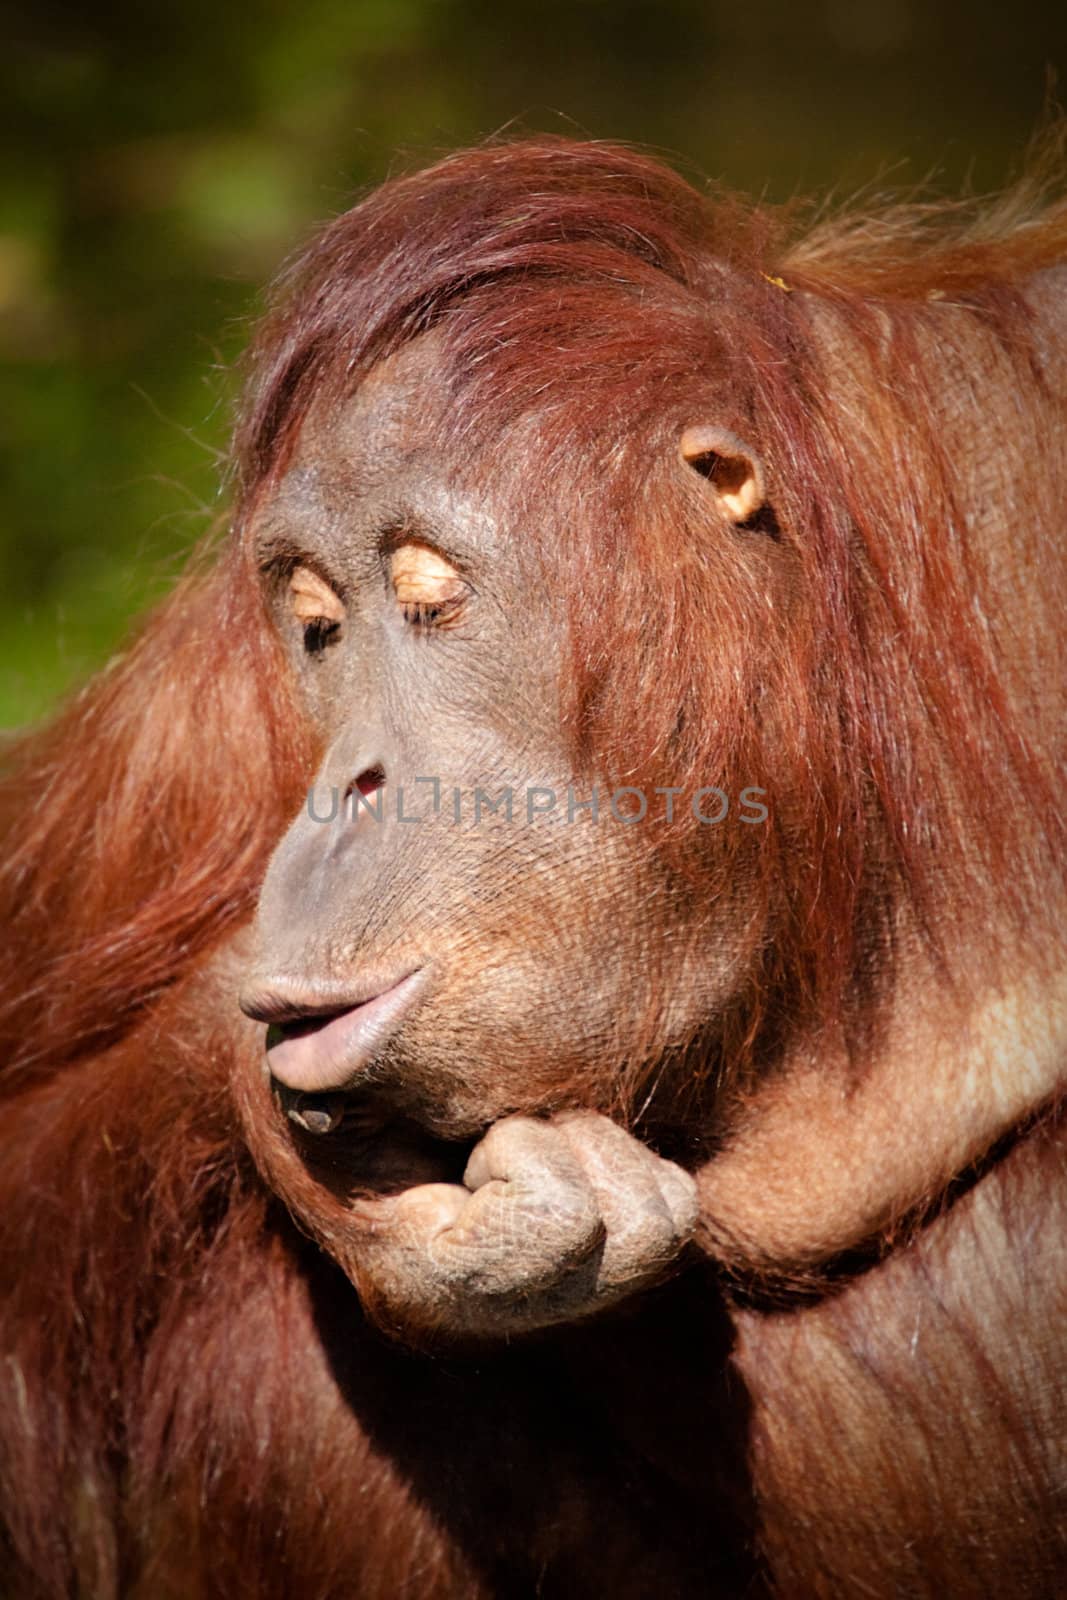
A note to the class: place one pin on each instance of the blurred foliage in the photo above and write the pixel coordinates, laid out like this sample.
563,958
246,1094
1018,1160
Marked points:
157,163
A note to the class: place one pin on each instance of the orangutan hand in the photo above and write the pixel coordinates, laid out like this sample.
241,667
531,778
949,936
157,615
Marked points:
554,1221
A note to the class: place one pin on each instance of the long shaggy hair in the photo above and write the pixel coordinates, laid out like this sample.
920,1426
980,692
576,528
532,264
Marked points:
590,303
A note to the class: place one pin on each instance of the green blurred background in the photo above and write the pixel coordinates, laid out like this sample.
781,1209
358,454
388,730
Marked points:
158,161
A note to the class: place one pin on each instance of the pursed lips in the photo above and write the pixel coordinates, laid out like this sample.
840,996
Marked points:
315,1054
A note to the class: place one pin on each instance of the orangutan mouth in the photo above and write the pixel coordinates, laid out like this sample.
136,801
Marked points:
326,1053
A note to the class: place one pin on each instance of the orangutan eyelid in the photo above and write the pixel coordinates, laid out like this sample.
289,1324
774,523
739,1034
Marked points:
426,585
312,598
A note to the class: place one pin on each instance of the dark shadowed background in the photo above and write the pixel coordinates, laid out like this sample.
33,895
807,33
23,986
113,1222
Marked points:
159,160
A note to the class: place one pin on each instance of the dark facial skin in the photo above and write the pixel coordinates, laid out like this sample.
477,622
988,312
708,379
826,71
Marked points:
500,967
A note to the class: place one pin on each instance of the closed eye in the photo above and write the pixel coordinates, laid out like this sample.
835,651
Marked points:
317,607
427,587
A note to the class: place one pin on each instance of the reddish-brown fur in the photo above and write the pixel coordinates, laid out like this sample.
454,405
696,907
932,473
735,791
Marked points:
191,1401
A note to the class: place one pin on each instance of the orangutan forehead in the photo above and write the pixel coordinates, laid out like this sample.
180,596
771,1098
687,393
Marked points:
405,439
394,409
365,473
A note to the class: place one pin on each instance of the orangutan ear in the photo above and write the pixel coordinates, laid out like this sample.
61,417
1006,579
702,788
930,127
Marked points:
732,470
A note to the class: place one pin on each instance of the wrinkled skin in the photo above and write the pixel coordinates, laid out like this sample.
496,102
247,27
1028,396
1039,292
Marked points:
542,945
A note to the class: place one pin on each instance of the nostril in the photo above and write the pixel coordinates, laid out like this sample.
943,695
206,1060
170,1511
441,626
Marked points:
368,782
